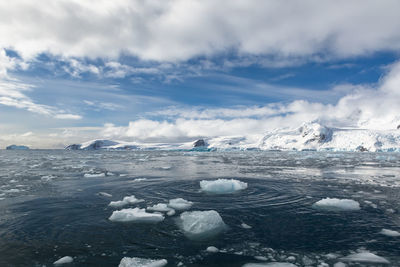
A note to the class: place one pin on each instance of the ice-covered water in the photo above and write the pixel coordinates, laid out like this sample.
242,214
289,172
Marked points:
55,204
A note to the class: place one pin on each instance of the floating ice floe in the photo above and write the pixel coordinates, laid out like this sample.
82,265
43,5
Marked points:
92,175
245,226
104,194
125,201
388,232
135,215
140,262
63,260
222,186
335,204
200,225
365,257
212,249
270,264
180,204
339,264
161,207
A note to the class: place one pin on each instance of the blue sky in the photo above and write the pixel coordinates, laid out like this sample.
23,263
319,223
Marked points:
71,71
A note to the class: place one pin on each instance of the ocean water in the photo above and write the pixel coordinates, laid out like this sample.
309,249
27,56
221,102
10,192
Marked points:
50,206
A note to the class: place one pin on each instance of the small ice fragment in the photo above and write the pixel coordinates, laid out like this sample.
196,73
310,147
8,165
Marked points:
171,212
140,262
212,249
125,201
200,225
91,175
161,207
63,260
14,190
245,226
388,232
139,179
261,258
366,257
135,215
270,264
222,186
335,204
339,264
180,204
104,194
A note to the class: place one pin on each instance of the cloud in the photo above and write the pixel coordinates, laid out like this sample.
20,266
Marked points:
179,30
362,107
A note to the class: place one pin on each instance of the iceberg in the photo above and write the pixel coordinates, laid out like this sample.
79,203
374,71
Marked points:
212,249
140,262
365,257
180,204
63,260
391,233
15,147
222,186
135,215
335,204
201,225
125,201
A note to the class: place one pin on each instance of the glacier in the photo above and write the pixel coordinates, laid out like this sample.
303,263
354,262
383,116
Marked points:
308,136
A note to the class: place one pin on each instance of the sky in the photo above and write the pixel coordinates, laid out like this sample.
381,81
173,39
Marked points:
178,70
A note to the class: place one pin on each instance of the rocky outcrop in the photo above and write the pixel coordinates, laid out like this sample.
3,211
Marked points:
73,147
200,143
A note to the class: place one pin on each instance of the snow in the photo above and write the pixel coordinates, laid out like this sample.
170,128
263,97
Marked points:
270,264
140,262
391,233
200,225
125,201
212,249
161,207
335,204
180,204
222,186
366,257
63,260
135,215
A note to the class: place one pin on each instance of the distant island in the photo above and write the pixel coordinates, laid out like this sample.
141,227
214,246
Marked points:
15,147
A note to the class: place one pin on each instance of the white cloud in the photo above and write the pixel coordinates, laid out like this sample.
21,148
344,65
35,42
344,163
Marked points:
183,29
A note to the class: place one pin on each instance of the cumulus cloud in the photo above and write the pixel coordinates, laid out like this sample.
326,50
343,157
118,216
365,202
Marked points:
363,107
183,29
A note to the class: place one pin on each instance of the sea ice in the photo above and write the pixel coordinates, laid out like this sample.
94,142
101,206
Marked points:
104,194
335,204
125,201
222,186
270,264
92,175
135,215
391,233
140,262
366,257
212,249
245,226
200,225
161,207
63,260
180,204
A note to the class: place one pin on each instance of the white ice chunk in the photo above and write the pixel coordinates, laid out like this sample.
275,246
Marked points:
140,262
366,257
245,226
212,249
135,215
63,260
180,204
200,225
270,264
161,207
339,264
125,201
335,204
391,233
104,194
222,186
91,175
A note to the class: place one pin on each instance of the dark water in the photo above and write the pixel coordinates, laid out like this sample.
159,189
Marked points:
48,209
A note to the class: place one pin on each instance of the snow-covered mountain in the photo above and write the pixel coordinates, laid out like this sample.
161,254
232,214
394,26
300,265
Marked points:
308,136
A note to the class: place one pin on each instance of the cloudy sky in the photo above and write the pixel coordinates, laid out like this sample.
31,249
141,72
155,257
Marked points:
75,70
